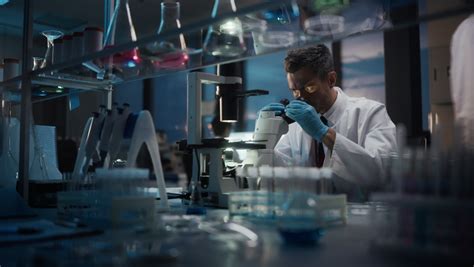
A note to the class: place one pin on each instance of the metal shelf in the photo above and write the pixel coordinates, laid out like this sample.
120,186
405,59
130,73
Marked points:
99,76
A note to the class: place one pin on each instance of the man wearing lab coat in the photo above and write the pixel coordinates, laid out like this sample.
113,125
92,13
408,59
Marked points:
347,134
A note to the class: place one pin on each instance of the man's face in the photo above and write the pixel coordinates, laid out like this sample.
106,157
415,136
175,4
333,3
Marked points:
304,83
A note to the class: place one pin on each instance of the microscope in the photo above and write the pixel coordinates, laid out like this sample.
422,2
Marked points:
269,128
209,174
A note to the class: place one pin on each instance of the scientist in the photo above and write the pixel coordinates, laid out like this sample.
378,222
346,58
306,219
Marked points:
347,134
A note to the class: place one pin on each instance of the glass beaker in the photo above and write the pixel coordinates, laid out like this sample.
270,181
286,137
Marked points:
50,35
120,31
225,38
171,53
300,221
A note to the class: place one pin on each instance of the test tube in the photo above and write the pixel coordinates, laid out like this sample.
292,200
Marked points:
266,174
326,174
239,175
399,172
252,175
282,179
315,175
265,178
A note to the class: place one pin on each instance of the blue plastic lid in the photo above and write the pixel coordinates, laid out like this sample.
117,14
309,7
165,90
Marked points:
196,211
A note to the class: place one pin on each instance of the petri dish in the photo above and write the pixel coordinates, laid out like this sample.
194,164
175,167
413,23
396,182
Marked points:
324,25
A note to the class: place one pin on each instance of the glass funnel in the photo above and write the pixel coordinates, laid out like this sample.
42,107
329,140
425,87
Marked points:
226,37
120,31
171,53
50,35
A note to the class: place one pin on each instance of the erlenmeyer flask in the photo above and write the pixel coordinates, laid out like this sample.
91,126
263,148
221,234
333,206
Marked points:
120,31
226,37
171,53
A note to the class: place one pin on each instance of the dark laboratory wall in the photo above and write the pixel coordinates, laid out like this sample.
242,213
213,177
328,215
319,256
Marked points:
264,72
52,112
337,58
168,96
131,93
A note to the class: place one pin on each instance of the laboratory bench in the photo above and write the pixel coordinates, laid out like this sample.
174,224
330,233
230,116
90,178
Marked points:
179,245
179,240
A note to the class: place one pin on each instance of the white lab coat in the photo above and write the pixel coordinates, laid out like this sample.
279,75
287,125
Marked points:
364,134
462,79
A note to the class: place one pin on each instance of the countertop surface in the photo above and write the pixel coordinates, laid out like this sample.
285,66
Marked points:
345,245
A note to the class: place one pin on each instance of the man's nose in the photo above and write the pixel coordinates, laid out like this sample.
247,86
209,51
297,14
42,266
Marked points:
296,93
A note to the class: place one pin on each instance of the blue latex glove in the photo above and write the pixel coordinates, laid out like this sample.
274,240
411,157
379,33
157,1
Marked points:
307,117
277,107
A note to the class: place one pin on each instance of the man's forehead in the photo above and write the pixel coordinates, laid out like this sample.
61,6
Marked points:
299,78
303,75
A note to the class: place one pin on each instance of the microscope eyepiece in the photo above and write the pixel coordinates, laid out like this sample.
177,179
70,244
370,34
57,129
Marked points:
285,102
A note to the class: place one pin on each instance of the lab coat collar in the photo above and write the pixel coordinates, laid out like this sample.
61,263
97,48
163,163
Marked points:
337,109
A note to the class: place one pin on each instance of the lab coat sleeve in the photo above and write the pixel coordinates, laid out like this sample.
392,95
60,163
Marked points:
362,163
462,80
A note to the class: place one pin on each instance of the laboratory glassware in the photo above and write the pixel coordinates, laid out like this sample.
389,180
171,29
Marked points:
50,35
171,53
283,14
121,30
196,204
37,61
225,38
299,222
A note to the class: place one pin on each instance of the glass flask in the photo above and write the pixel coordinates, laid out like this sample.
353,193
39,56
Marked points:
225,38
120,31
171,53
50,35
300,221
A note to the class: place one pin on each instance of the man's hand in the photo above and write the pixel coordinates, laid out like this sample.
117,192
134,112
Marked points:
277,107
307,117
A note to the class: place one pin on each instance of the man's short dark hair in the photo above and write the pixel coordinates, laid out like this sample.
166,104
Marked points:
317,58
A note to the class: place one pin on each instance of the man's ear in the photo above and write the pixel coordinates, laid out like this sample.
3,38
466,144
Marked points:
332,78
